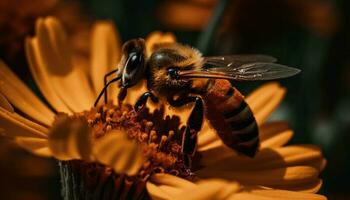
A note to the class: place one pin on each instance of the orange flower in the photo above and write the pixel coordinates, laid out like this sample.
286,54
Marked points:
277,172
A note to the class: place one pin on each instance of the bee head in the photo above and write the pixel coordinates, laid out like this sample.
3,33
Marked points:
133,62
168,61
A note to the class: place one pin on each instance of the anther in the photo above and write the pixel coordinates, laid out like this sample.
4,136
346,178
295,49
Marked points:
108,128
97,116
162,141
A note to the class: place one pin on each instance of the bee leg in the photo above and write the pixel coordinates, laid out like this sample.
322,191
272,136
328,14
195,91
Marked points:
104,90
122,94
193,125
105,82
141,102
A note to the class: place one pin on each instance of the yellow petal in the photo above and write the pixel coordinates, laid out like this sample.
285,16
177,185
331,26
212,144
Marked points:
22,97
170,180
155,192
277,140
5,104
117,151
105,55
209,189
157,37
70,139
273,194
261,95
272,177
214,156
69,82
169,184
36,146
207,138
15,125
262,114
37,68
165,186
222,158
311,187
264,100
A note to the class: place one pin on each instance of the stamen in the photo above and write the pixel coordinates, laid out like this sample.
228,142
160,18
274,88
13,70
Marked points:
159,136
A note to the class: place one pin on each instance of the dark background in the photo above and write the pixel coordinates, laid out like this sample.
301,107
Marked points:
312,35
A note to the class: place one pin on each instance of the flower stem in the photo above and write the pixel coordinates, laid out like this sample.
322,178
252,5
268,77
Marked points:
206,37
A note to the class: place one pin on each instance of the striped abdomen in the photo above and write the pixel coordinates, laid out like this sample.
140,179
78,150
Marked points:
231,116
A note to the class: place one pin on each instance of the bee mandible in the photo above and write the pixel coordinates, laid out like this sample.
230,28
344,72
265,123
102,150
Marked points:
182,75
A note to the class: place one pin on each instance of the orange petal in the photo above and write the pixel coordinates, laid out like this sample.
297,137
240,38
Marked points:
157,37
22,97
273,194
15,125
209,189
117,151
5,104
165,186
295,175
37,68
36,146
221,158
311,187
264,100
105,54
261,95
53,53
70,139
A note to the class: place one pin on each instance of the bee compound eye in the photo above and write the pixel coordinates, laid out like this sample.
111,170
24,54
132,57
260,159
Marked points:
134,62
173,73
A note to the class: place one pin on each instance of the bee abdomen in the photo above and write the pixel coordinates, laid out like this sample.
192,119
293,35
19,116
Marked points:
244,128
231,116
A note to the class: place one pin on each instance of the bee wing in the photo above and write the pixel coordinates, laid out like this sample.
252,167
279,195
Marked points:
234,61
246,72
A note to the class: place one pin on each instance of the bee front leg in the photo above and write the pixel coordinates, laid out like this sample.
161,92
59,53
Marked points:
193,125
141,102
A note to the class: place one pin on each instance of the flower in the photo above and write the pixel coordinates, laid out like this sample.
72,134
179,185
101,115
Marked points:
85,137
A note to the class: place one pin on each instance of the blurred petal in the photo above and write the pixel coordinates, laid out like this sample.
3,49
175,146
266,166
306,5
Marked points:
54,55
222,158
37,68
105,55
165,186
117,151
5,104
15,125
70,139
264,100
295,175
277,140
210,189
170,180
261,95
22,97
207,138
155,192
263,113
158,37
311,187
273,194
185,15
36,146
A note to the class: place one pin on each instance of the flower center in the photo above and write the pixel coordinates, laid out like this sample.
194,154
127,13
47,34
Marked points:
159,136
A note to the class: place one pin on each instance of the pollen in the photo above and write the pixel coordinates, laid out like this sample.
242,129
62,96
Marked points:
160,136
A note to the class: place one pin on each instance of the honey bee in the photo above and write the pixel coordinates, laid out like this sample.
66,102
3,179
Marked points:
182,75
